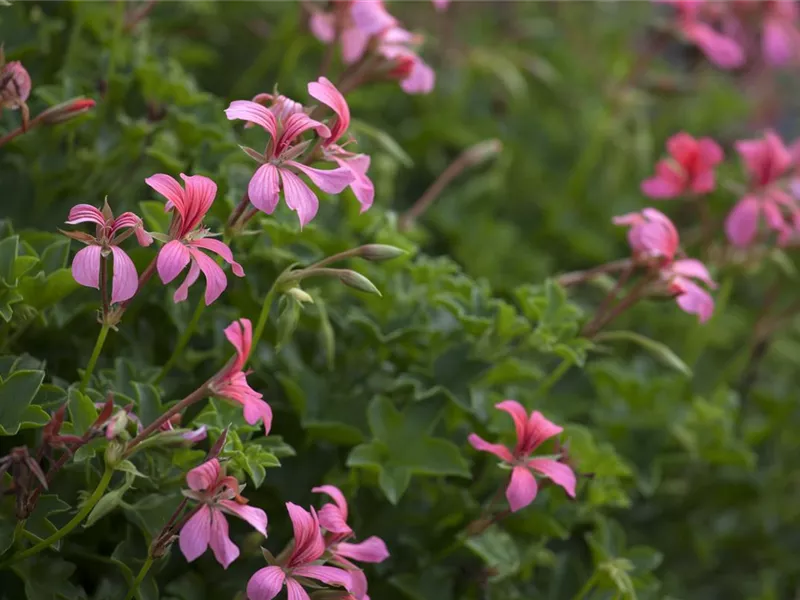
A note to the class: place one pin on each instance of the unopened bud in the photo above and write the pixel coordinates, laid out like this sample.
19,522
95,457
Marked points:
287,322
483,151
358,281
67,110
300,295
114,453
380,252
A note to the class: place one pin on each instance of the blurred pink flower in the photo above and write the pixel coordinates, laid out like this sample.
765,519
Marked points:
218,494
108,235
651,234
15,85
188,238
232,384
780,36
397,45
358,164
531,433
278,170
767,162
690,168
308,548
356,20
333,518
441,5
691,298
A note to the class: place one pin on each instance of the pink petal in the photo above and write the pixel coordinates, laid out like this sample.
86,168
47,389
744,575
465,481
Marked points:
498,450
332,519
215,276
779,40
225,551
558,472
295,591
521,489
200,194
538,429
628,219
85,213
329,575
518,414
195,534
354,44
219,249
253,113
719,49
265,583
198,435
323,26
710,152
667,183
441,5
309,545
695,300
182,293
167,187
299,197
336,495
332,181
741,223
240,335
773,215
371,16
256,517
358,584
371,550
421,79
172,259
324,91
691,267
86,266
205,476
263,188
125,280
296,124
683,148
362,185
258,410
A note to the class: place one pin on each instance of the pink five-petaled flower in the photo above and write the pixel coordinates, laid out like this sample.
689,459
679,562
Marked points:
218,494
766,160
309,547
358,164
333,518
690,168
188,238
531,433
232,384
655,242
109,234
15,85
278,169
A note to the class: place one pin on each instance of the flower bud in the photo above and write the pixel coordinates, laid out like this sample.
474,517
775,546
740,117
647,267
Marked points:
358,281
300,295
483,151
66,110
379,252
287,321
15,85
114,453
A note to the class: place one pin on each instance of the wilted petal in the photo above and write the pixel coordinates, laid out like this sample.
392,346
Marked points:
329,575
253,113
256,517
225,551
498,450
222,250
195,534
371,550
125,280
86,266
216,281
205,476
324,91
741,223
85,213
299,197
521,489
558,472
265,583
172,259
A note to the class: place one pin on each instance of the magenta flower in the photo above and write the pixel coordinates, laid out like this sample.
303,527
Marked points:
767,162
278,170
704,25
109,233
308,548
651,234
333,518
358,164
188,238
15,85
690,168
531,433
232,384
217,495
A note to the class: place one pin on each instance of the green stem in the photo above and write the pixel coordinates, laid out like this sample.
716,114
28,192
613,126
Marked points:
184,339
555,376
98,347
587,587
139,578
76,520
263,316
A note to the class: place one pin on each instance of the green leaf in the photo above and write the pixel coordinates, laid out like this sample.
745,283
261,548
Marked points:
111,500
16,393
154,216
39,523
82,411
497,549
657,349
55,256
384,140
9,248
148,402
48,578
44,291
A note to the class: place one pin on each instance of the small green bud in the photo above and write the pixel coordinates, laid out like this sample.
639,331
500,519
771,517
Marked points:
114,452
380,252
300,295
358,281
287,321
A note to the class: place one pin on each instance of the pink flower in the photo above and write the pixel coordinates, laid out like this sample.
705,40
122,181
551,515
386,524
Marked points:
278,170
217,495
780,36
691,298
108,235
405,65
651,234
699,22
15,85
441,5
767,161
308,548
356,20
188,238
531,433
358,164
333,518
232,384
690,168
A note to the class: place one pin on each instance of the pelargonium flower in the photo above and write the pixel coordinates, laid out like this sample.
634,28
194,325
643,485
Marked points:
531,433
397,46
109,233
356,20
232,384
655,242
701,23
187,237
15,85
308,549
218,495
690,168
278,170
767,162
333,518
780,42
358,164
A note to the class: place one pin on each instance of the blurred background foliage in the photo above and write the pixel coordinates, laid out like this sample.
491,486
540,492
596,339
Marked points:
690,483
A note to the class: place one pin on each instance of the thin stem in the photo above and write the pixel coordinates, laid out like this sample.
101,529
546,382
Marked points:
76,520
98,347
632,298
139,578
240,208
264,315
182,342
600,314
587,587
575,277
